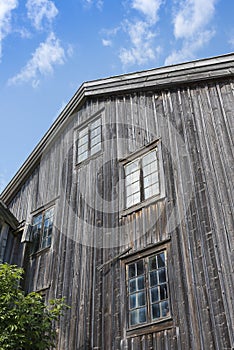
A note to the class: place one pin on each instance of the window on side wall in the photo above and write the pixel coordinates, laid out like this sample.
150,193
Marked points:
42,226
148,290
142,178
89,141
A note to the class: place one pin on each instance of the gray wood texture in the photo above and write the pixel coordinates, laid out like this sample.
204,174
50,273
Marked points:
194,122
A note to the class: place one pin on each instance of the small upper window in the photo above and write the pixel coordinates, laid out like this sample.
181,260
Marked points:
142,178
89,140
42,226
147,290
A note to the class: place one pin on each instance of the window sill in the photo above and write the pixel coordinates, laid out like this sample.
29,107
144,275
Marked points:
40,252
141,205
150,327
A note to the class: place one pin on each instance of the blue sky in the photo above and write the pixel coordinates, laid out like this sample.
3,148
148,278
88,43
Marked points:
48,48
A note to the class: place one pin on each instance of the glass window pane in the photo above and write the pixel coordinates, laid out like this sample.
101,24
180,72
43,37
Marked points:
153,278
37,219
155,309
162,276
132,285
96,148
95,132
154,294
163,291
149,158
165,309
82,157
133,317
141,299
131,270
49,213
132,301
150,179
95,140
150,169
133,188
83,132
142,315
152,190
141,283
152,263
83,140
132,167
133,177
140,268
95,124
161,260
83,148
133,199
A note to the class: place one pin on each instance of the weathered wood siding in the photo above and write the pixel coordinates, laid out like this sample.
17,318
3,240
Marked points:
195,126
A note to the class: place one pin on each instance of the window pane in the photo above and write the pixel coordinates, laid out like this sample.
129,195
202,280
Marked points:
132,285
95,140
149,158
141,299
96,148
140,267
83,132
133,188
150,179
141,283
150,169
165,309
83,141
132,167
152,263
83,148
153,278
82,157
155,309
133,199
162,275
163,292
95,124
95,132
152,190
131,270
132,301
142,315
133,317
161,260
154,294
132,177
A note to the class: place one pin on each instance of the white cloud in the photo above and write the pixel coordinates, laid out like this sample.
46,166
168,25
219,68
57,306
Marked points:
106,42
89,3
191,25
40,11
149,8
6,7
192,17
189,47
142,49
48,54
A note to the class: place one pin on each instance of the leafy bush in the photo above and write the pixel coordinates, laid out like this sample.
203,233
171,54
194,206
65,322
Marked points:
26,323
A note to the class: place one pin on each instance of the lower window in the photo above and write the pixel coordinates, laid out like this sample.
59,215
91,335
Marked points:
42,226
147,289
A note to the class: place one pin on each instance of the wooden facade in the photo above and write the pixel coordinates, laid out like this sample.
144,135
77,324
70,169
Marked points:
185,112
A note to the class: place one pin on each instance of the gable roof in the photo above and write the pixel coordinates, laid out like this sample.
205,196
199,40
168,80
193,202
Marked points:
163,77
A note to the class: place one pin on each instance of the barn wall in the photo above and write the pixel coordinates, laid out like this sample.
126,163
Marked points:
193,124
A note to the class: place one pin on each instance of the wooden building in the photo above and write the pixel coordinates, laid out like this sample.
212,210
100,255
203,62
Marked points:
125,208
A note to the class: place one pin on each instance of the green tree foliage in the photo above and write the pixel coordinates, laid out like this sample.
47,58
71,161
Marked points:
26,323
